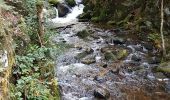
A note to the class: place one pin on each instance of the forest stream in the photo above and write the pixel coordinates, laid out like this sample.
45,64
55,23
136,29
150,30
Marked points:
105,64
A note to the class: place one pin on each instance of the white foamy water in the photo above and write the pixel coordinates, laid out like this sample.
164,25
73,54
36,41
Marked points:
71,17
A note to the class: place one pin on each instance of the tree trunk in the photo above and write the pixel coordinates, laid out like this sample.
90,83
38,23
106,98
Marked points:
161,28
40,24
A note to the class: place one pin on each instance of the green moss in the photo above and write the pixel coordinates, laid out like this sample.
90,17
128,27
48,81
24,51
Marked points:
121,54
53,2
39,3
71,3
109,56
164,67
95,19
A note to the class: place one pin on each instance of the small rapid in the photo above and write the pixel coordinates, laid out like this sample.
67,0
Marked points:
88,70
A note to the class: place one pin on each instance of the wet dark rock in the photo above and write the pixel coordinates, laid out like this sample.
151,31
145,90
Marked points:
63,9
148,46
111,23
154,60
79,47
122,54
136,58
101,93
86,15
99,79
83,34
89,50
159,75
109,56
71,3
165,69
88,60
116,40
84,53
108,49
83,20
167,87
104,65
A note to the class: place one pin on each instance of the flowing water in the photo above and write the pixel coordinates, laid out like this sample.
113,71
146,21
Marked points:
83,73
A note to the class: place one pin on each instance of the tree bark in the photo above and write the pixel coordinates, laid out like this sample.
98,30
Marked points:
40,24
161,28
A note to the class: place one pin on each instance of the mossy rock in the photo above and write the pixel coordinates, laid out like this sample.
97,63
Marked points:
86,15
122,54
53,2
40,3
83,34
164,68
109,56
111,23
95,19
71,3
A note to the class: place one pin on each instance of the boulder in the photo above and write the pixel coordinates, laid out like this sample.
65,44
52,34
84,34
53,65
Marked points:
88,60
63,9
109,56
115,40
71,3
164,68
136,57
101,93
83,34
148,46
154,60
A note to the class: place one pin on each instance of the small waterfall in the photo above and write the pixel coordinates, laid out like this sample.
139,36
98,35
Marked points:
56,12
70,18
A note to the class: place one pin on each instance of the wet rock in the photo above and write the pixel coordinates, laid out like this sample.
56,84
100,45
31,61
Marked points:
99,79
89,50
63,9
86,16
88,60
83,34
111,23
122,54
104,65
79,47
159,75
136,57
116,40
71,3
148,46
109,56
105,49
81,55
101,93
164,68
84,53
154,60
167,87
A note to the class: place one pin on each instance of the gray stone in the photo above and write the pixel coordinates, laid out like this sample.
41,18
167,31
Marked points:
101,93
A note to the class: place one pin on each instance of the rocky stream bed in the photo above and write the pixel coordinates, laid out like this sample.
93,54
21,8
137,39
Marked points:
101,65
105,64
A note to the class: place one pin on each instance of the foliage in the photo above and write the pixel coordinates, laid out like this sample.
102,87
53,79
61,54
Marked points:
35,74
4,6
